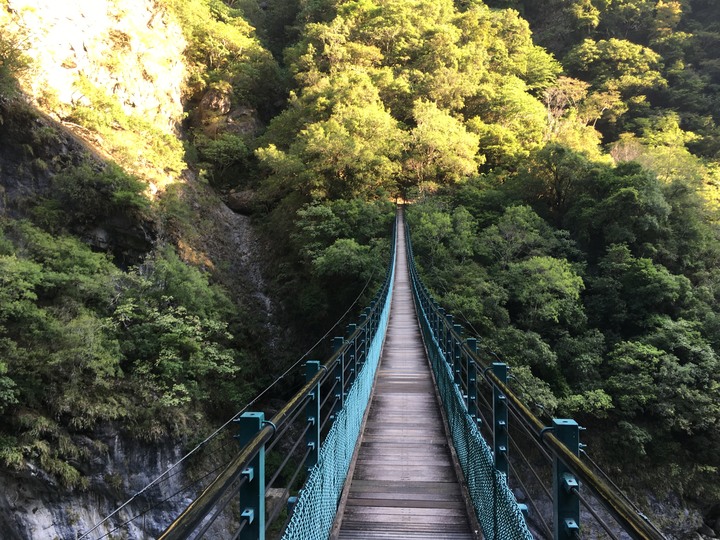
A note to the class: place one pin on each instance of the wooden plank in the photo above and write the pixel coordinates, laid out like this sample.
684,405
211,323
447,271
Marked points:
389,484
369,512
459,505
404,483
408,527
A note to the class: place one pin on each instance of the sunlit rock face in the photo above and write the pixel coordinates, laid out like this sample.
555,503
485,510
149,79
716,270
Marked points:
131,49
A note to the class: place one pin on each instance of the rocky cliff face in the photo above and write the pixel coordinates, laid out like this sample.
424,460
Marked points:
34,507
131,48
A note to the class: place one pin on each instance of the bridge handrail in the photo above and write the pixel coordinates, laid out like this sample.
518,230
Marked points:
200,508
634,523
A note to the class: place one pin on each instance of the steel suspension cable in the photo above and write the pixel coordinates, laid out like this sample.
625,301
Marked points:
221,507
545,526
583,499
270,483
166,499
526,393
164,476
597,517
624,495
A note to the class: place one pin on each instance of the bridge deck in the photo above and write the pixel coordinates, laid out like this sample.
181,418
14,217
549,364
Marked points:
404,483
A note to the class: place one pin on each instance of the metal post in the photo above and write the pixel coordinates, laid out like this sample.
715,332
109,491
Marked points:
566,500
471,367
339,377
500,420
439,325
312,437
351,328
457,347
252,491
362,353
447,338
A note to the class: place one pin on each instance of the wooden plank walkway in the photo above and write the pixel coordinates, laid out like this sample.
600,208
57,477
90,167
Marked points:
404,483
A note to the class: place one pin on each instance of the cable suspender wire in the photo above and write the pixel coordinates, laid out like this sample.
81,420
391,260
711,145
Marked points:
620,491
437,322
166,499
166,474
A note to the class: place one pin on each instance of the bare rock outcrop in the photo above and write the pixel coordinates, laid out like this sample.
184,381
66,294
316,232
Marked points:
132,49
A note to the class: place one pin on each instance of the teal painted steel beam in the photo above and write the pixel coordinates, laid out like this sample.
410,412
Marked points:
352,351
312,410
500,419
439,317
363,337
340,394
566,499
447,338
252,490
471,368
456,351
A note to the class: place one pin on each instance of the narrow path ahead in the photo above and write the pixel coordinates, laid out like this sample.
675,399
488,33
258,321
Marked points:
404,484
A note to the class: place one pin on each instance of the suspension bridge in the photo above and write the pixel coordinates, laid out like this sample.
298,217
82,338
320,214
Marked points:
405,431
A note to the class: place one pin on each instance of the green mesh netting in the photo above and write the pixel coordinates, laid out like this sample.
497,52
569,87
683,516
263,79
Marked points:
315,510
495,506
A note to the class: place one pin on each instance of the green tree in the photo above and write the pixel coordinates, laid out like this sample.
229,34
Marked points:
341,155
222,46
509,121
617,64
13,61
519,234
432,229
440,148
629,293
621,205
8,395
554,177
88,195
223,155
544,291
670,375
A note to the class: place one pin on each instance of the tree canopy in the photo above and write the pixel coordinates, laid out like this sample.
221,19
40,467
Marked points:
561,158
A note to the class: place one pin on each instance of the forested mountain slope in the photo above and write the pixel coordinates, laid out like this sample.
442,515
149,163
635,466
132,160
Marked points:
133,312
565,197
561,158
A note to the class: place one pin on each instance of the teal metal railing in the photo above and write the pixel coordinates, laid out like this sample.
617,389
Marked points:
496,509
297,461
314,514
312,437
461,375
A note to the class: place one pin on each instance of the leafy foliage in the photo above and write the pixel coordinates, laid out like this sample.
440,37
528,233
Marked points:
13,63
562,156
222,47
85,195
417,72
603,312
336,249
79,337
565,205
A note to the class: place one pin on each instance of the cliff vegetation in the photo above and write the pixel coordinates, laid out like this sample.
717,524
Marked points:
561,158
